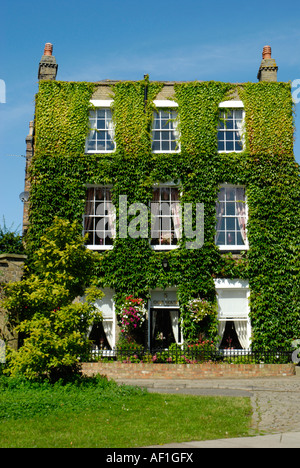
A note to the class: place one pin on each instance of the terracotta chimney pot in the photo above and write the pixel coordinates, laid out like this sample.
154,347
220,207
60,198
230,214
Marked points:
266,52
48,49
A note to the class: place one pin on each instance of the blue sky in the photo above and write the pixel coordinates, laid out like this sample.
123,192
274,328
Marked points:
125,39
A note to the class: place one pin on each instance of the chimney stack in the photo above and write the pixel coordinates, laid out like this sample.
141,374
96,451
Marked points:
268,68
48,66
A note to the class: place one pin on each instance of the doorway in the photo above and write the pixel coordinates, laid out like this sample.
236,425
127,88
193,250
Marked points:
164,327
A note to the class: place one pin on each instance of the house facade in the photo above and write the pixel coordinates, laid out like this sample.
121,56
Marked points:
186,190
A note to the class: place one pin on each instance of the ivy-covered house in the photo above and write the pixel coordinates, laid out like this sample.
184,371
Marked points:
189,193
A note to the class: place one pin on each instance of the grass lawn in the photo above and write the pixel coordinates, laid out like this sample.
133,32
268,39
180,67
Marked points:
100,413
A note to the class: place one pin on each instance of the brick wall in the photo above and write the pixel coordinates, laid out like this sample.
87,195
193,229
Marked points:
119,370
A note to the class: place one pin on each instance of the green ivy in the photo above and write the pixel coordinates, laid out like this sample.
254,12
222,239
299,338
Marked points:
61,169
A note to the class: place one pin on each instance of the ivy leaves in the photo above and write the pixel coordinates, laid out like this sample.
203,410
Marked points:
267,168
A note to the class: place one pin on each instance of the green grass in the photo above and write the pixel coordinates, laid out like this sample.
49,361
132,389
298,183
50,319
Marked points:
100,413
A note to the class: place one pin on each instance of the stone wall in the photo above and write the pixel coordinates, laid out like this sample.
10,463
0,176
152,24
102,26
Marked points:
11,270
120,370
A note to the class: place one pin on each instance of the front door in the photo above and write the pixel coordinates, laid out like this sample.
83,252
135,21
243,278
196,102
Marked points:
164,327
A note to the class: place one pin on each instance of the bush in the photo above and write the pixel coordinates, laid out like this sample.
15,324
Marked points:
42,305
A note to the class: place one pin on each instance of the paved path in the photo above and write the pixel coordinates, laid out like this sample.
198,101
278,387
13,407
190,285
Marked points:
275,403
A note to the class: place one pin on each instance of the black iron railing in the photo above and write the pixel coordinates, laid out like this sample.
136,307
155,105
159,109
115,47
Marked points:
189,355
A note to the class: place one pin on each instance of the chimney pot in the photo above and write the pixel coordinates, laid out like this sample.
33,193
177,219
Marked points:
266,52
47,66
48,49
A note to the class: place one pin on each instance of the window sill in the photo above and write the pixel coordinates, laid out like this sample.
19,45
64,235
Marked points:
165,152
99,247
229,248
164,247
100,152
228,152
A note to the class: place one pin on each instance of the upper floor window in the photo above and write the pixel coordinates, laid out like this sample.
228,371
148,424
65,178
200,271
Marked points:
230,129
99,218
231,218
164,130
166,218
101,135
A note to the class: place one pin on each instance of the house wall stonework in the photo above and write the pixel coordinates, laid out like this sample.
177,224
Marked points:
11,270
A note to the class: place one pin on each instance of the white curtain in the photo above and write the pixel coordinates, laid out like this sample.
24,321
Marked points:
220,212
221,330
111,210
110,126
154,314
241,211
108,330
176,216
239,126
174,323
241,328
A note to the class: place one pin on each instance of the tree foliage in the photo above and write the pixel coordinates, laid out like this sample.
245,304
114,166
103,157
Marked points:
43,306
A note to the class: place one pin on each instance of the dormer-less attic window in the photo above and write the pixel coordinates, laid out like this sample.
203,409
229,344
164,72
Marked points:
231,127
165,137
101,135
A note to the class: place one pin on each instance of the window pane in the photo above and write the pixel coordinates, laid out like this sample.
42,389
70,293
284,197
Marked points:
238,146
91,145
230,238
239,239
229,146
221,146
221,238
165,209
174,194
155,146
230,209
100,124
230,194
230,224
229,124
221,195
101,113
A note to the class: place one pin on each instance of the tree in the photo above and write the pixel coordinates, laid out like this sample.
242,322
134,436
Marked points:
10,241
44,308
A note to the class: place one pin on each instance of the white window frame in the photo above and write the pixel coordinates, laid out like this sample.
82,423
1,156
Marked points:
234,105
101,104
225,284
166,105
161,246
232,247
94,216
